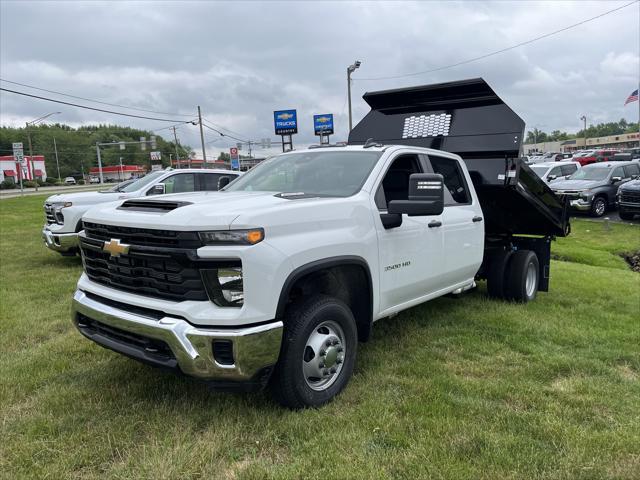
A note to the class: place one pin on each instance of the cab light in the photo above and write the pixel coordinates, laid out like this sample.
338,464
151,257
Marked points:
232,237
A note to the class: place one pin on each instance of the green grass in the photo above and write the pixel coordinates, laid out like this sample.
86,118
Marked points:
460,389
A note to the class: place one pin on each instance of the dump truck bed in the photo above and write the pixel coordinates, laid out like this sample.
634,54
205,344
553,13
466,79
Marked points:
469,119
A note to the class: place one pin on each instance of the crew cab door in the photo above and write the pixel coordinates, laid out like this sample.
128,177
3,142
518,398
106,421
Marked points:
462,222
411,260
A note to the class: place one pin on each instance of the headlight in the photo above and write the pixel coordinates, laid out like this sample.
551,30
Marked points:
232,237
224,285
586,194
57,211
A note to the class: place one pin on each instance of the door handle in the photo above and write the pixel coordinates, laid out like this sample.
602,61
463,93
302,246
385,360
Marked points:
477,219
435,223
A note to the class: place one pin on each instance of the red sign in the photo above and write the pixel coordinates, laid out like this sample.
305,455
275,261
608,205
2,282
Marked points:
233,152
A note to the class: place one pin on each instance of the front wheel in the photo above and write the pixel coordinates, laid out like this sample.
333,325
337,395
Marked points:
318,353
598,207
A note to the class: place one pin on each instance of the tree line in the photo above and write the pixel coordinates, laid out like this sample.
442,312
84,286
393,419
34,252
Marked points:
599,130
77,146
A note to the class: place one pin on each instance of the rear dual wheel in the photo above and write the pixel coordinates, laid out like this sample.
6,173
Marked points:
513,276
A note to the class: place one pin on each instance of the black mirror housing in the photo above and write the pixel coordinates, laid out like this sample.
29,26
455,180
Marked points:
223,182
426,196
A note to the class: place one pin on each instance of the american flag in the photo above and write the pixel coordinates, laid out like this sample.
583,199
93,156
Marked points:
633,97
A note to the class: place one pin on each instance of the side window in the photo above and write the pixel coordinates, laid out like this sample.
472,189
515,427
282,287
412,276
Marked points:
209,181
618,172
631,170
454,180
557,171
568,169
395,184
183,182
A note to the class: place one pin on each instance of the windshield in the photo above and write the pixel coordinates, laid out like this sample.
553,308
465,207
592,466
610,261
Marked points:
319,173
142,182
540,171
591,174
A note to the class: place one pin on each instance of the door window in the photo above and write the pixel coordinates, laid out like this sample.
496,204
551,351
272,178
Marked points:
618,172
631,170
555,171
395,184
568,169
183,182
209,181
456,191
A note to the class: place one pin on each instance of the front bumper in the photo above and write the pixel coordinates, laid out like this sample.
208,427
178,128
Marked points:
255,349
60,242
580,204
629,207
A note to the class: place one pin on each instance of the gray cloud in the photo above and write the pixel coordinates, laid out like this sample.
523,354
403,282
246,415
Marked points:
242,60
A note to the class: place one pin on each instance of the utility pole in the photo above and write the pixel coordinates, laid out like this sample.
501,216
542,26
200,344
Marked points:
175,137
121,170
204,154
55,149
584,119
33,172
99,163
350,70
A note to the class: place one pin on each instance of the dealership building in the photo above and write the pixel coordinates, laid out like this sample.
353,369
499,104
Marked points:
11,171
623,140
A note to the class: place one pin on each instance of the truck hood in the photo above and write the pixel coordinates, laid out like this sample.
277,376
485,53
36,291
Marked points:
575,184
87,198
213,210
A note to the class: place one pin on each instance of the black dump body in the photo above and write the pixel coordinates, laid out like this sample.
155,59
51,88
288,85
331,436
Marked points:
468,118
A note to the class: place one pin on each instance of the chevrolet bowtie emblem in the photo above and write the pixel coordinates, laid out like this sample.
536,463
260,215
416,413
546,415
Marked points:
115,248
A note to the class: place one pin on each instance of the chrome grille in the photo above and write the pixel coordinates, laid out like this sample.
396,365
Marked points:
49,214
629,197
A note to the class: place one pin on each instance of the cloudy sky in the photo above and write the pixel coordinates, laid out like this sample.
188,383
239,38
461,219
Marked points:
242,60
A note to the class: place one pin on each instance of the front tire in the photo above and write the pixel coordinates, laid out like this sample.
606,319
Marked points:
598,207
318,353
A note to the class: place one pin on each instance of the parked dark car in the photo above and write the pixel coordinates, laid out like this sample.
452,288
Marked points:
593,188
629,199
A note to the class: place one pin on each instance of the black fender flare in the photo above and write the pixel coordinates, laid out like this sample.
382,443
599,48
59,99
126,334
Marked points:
322,264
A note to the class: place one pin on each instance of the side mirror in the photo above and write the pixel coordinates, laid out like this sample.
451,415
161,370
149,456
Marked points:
157,189
551,177
616,179
426,196
223,182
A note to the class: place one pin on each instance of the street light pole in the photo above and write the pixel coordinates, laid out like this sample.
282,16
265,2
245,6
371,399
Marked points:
204,153
350,70
99,163
584,119
55,149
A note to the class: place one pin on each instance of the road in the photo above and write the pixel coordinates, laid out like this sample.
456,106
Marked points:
51,190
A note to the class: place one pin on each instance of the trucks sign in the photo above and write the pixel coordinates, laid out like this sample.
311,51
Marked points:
285,122
323,124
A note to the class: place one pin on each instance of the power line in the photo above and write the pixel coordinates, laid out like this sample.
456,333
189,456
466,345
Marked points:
92,108
223,128
223,134
481,57
94,101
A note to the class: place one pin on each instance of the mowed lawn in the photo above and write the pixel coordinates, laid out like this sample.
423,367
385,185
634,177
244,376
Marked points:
457,388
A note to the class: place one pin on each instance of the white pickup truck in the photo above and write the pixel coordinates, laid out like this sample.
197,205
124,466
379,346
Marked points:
276,278
63,212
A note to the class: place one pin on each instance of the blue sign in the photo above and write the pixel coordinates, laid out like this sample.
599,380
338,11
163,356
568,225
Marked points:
323,124
235,164
285,122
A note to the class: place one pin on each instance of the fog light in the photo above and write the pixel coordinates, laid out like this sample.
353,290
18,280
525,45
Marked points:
224,285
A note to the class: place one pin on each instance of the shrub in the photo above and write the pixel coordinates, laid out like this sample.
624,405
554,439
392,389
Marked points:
7,185
52,180
80,182
41,183
29,184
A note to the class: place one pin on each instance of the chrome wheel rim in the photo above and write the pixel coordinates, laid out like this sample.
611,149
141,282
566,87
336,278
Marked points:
323,355
599,207
531,280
